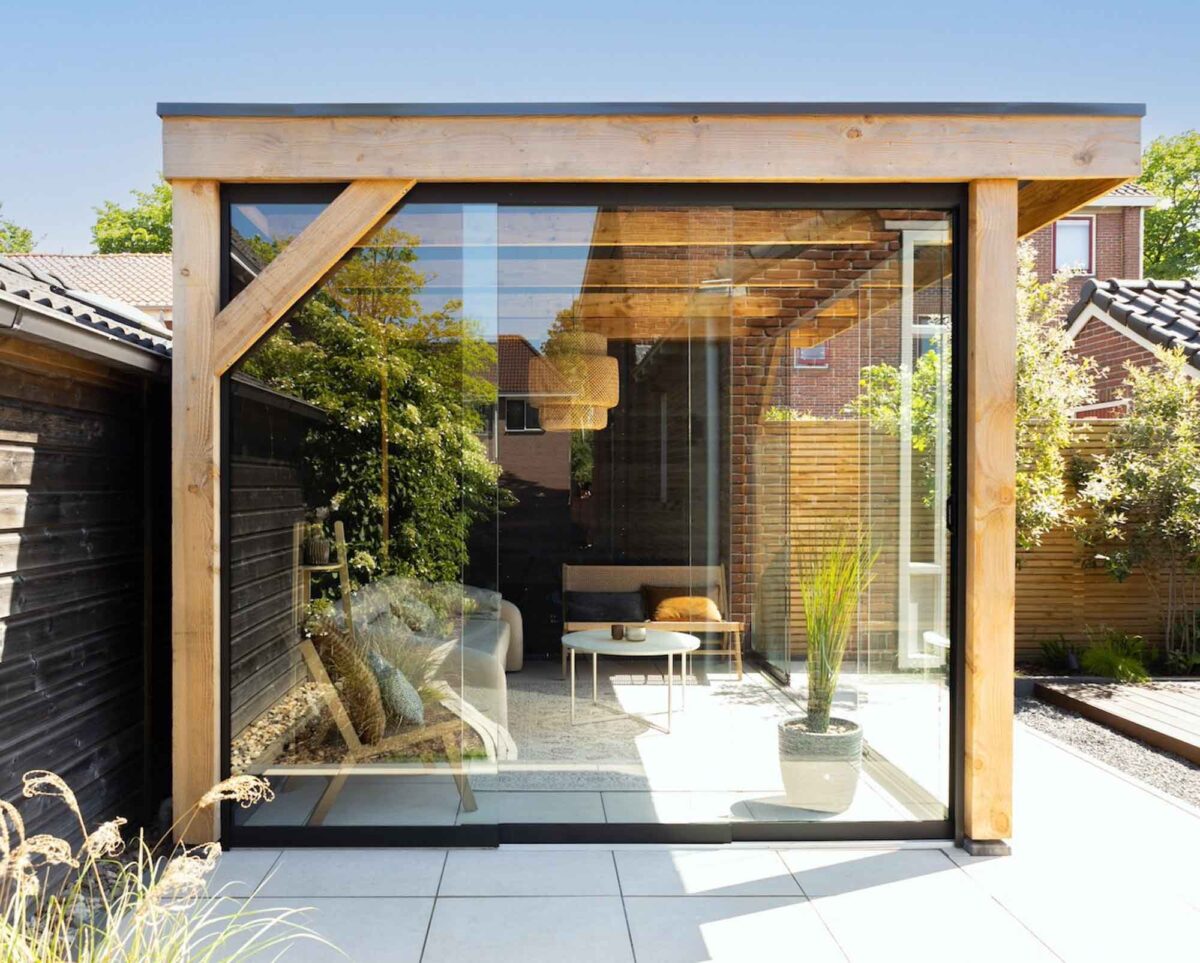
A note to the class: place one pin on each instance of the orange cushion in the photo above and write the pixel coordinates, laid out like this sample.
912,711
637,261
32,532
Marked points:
675,604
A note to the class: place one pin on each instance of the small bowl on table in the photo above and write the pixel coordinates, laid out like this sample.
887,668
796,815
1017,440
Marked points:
635,633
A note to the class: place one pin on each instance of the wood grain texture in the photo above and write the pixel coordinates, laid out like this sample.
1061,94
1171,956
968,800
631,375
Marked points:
195,502
991,507
1043,202
686,148
300,265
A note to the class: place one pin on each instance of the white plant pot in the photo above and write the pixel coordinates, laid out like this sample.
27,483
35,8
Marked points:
820,769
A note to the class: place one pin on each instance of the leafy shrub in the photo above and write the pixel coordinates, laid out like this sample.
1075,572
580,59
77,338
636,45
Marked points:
1116,655
1060,655
352,677
1178,662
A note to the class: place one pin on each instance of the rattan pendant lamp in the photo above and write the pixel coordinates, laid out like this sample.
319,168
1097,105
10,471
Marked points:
577,368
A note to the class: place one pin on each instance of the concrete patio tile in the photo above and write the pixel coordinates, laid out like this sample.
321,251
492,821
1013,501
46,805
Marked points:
529,930
738,929
707,872
933,918
390,930
831,872
295,799
524,873
238,873
535,807
356,872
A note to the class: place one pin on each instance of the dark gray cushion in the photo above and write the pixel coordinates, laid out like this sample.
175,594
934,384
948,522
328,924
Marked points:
606,607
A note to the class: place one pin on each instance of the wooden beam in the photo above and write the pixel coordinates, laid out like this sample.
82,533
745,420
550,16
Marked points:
195,545
991,508
300,265
640,148
1043,202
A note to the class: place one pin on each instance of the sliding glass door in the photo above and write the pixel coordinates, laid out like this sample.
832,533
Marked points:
596,513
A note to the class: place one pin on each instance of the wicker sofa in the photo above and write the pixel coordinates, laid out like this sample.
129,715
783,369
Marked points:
631,578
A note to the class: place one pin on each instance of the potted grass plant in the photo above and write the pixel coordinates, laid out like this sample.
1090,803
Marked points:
821,756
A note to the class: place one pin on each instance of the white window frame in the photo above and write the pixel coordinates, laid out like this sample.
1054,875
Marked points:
1090,268
799,365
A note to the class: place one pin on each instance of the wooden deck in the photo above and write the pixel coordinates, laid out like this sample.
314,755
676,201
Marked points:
1165,715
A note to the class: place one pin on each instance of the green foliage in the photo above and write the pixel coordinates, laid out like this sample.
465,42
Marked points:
1116,655
144,227
400,383
583,457
1144,492
1178,662
832,578
1171,169
778,413
1051,383
1060,655
14,239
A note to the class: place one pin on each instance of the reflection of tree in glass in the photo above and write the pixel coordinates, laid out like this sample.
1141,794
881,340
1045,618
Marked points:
400,459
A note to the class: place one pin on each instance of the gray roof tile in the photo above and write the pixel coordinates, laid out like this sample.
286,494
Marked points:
1163,312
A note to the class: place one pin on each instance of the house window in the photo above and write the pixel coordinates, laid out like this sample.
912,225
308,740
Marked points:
519,415
1074,244
815,357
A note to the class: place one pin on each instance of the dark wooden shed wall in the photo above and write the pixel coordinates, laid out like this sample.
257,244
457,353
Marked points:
79,447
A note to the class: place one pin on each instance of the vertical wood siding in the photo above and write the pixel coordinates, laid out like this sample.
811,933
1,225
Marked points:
73,584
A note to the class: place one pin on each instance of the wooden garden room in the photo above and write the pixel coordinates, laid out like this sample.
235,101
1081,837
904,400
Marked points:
604,472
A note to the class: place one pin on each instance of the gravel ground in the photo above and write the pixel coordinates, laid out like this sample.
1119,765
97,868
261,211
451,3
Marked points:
1162,770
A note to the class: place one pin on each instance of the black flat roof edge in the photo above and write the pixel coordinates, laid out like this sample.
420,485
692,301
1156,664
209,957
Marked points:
648,109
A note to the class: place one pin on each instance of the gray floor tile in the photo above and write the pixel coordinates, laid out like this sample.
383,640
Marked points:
831,872
240,871
523,873
356,872
529,930
395,801
535,807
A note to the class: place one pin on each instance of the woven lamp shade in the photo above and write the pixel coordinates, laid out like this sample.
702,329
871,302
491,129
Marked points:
576,365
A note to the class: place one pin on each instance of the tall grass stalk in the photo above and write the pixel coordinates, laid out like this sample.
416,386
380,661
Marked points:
832,578
96,903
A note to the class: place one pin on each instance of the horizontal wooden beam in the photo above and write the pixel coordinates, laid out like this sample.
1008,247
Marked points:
301,265
864,148
1043,202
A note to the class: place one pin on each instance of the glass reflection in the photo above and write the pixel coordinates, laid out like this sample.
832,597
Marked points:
497,432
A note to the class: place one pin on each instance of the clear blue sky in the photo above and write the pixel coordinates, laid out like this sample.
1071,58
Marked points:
77,121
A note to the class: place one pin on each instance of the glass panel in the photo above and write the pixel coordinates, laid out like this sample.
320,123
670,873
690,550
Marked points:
535,426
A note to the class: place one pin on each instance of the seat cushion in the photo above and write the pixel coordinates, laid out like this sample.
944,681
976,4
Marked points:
681,604
605,607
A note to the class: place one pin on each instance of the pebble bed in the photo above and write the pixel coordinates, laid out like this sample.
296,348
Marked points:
1162,770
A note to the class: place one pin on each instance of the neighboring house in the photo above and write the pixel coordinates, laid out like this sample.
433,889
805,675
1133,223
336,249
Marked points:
140,280
1122,322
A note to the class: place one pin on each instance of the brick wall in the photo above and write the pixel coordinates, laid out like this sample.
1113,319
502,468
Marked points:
1111,350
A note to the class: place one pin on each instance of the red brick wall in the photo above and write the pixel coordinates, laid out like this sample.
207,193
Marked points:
1118,240
1111,350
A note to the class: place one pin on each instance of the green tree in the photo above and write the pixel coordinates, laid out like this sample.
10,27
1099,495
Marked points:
14,239
1051,383
1144,493
144,227
1171,169
401,459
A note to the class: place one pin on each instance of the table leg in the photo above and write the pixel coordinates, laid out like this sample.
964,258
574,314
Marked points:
683,660
572,687
595,659
670,685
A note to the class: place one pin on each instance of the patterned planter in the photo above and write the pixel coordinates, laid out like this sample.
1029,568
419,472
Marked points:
820,769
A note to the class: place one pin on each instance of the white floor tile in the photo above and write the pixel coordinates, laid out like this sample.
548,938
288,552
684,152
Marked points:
631,806
526,873
240,871
529,930
707,872
356,872
363,930
738,929
535,807
831,872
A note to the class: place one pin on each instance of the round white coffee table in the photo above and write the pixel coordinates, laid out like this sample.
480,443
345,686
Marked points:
658,643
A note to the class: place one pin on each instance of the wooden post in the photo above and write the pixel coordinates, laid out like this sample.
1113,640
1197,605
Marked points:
991,513
195,552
